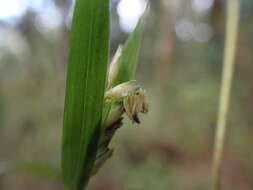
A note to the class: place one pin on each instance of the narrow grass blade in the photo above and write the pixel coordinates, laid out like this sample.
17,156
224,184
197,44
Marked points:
85,90
232,27
126,66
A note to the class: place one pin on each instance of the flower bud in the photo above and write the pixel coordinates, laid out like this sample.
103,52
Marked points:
114,66
122,90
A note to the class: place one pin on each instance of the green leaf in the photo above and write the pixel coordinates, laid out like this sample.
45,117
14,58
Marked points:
38,169
126,66
85,88
32,168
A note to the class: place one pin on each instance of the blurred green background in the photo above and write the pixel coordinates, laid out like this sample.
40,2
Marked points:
180,66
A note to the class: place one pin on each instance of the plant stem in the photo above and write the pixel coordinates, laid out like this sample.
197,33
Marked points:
227,74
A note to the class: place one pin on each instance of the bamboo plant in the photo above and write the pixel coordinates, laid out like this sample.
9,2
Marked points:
97,95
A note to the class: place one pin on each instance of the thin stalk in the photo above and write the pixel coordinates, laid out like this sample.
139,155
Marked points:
227,75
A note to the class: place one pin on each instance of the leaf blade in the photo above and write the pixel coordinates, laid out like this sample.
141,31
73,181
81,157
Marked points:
126,66
85,87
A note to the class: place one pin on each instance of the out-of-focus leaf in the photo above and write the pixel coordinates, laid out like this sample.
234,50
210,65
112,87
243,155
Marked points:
126,66
38,169
33,168
85,87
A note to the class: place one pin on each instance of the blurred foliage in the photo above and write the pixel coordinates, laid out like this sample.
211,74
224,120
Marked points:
180,66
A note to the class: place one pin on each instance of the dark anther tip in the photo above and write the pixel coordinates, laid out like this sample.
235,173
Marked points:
136,118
